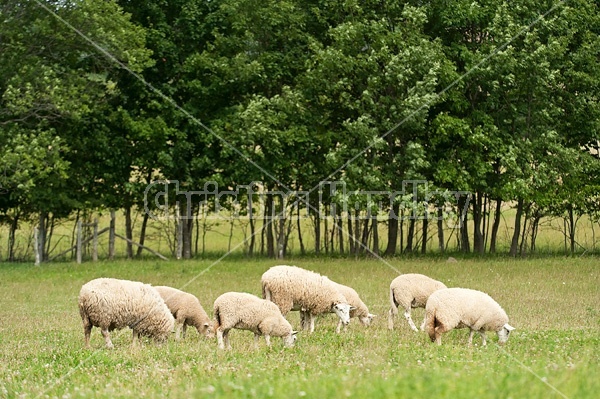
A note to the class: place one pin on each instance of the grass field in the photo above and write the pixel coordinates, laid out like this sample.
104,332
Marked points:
553,303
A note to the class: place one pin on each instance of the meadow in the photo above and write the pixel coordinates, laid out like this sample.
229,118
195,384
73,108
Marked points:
553,302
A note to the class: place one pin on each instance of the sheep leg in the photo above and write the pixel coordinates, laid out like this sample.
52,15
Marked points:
470,340
183,329
339,327
391,319
226,339
312,322
87,331
256,338
268,339
304,320
482,333
136,339
409,319
106,336
177,332
438,330
220,342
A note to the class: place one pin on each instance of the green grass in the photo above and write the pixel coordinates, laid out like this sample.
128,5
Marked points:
553,302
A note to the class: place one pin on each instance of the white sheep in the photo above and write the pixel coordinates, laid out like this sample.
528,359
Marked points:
294,288
358,307
452,308
410,291
110,304
245,311
186,310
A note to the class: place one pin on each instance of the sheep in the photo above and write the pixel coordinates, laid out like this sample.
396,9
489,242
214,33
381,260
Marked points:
248,312
186,310
294,288
410,291
360,309
109,304
452,308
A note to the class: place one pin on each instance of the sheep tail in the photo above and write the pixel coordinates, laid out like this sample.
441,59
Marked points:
217,318
429,323
266,293
393,303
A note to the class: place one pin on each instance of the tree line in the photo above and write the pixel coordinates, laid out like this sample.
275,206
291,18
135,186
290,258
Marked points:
98,100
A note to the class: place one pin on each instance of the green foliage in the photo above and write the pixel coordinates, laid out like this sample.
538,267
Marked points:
480,96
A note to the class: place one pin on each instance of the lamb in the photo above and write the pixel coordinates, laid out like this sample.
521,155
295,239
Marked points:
360,309
452,308
248,312
294,288
410,291
109,304
186,310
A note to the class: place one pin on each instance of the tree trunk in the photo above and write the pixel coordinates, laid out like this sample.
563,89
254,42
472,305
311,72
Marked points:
299,224
281,236
269,226
465,245
410,236
129,231
187,234
317,221
197,235
111,236
440,229
524,232
401,229
392,230
534,230
252,236
365,236
357,247
41,249
514,245
340,229
143,235
495,226
477,224
424,240
14,225
351,243
326,238
49,233
571,229
375,228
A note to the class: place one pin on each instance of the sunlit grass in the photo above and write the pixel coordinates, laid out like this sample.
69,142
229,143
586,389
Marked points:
552,302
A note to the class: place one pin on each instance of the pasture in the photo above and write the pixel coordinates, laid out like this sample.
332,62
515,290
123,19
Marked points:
553,303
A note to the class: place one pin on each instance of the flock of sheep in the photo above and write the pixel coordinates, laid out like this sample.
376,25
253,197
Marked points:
155,311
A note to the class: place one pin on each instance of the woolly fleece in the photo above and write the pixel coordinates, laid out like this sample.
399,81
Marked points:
410,291
460,308
186,309
110,304
245,311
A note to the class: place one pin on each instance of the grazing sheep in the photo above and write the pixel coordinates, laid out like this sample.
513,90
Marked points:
294,288
186,309
461,307
249,312
410,291
109,304
360,309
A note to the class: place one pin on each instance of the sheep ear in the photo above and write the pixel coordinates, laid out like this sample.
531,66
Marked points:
371,315
509,327
294,332
352,308
206,324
